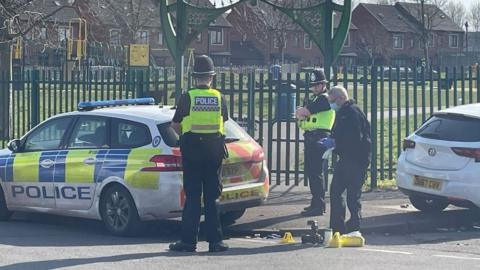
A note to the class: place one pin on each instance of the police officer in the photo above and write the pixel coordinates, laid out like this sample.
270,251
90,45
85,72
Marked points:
199,119
352,142
316,119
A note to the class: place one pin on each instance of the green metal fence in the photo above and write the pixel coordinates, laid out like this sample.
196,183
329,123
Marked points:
396,101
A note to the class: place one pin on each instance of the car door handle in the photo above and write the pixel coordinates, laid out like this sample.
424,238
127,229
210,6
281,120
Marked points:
89,161
47,163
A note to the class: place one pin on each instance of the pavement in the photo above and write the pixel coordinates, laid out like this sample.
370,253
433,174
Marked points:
384,212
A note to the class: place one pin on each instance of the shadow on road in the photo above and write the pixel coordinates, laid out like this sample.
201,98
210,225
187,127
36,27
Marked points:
60,263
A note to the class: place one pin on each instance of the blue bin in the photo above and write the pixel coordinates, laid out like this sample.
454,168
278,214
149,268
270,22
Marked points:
286,102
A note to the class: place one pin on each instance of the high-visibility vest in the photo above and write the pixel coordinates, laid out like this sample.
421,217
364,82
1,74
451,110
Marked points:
321,120
205,112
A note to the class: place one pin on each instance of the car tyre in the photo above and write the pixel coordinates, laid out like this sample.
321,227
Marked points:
429,205
118,211
5,214
231,216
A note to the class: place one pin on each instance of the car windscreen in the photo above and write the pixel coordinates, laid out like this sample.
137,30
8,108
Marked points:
233,132
451,127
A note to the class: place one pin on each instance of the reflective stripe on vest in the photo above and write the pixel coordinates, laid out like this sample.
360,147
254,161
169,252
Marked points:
321,120
205,112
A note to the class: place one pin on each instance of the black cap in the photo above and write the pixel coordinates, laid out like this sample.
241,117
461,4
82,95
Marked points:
203,66
317,76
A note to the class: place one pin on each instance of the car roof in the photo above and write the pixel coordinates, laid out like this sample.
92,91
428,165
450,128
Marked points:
472,110
159,113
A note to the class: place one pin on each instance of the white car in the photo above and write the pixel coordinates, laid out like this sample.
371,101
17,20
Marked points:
120,164
440,162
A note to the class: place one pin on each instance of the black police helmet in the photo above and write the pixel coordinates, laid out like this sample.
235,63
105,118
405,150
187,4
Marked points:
317,76
203,66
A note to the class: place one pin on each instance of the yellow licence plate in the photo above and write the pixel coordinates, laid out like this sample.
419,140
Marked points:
231,170
427,183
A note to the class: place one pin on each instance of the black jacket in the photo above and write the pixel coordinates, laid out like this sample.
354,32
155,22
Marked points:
352,134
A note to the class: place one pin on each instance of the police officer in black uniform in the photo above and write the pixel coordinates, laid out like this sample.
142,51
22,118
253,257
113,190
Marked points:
316,119
199,119
352,142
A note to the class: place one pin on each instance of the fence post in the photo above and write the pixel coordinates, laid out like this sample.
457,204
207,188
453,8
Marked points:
35,105
251,104
374,109
139,81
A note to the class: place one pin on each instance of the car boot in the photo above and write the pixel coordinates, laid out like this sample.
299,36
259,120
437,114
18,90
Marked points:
182,247
217,247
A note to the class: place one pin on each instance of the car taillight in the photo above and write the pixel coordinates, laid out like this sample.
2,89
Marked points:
467,152
165,163
408,144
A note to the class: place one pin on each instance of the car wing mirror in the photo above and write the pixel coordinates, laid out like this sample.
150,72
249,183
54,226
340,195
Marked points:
14,145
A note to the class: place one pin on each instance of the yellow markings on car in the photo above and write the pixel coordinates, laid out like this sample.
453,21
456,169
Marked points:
134,176
25,167
77,169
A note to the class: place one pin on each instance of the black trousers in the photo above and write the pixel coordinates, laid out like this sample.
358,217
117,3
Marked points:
349,175
198,176
313,153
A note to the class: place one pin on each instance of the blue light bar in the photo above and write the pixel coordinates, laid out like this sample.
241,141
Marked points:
90,105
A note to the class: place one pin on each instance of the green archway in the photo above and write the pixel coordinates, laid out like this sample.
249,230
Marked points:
191,17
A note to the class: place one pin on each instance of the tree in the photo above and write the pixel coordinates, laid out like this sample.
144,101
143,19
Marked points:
276,26
19,17
456,11
473,16
132,16
426,16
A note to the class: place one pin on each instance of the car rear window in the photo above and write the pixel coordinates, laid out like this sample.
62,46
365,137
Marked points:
451,127
233,132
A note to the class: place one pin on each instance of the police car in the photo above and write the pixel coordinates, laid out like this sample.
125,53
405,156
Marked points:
120,164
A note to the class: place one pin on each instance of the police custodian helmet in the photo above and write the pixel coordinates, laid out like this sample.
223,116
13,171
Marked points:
317,76
203,66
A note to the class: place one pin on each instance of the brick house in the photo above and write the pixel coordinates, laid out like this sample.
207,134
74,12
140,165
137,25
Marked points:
252,46
392,34
212,41
45,43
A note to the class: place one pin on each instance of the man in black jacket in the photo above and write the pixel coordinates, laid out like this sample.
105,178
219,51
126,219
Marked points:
351,137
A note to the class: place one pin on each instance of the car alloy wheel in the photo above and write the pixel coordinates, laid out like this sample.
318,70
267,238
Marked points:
119,212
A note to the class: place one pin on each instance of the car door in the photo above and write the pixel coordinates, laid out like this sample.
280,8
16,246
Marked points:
30,171
77,167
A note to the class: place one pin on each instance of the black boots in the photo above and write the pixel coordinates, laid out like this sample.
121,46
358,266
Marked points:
185,247
217,247
182,247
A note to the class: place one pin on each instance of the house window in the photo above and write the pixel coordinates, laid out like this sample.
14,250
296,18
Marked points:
114,36
412,43
296,41
277,41
63,34
397,42
216,37
142,37
453,41
307,42
43,33
347,41
160,38
431,41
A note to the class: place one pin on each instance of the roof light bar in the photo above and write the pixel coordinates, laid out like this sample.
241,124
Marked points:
91,105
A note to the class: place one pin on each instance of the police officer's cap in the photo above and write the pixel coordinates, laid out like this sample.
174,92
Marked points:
203,66
317,76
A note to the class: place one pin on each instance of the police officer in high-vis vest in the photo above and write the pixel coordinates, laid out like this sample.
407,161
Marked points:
199,120
316,118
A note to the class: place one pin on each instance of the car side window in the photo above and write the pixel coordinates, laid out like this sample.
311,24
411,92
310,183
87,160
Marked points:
89,132
128,134
47,136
